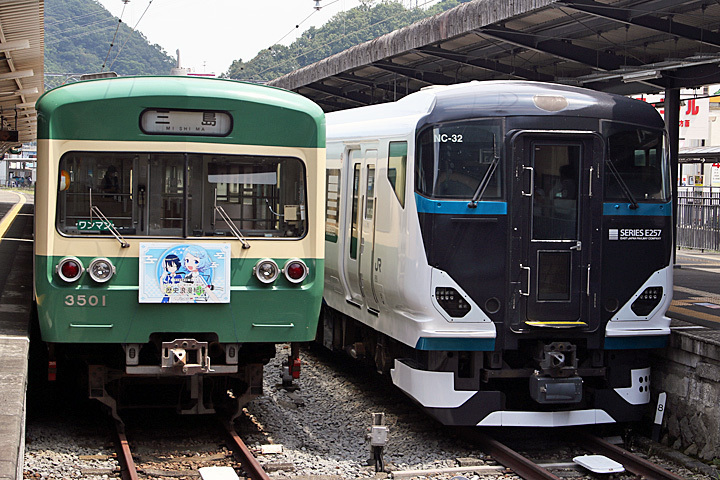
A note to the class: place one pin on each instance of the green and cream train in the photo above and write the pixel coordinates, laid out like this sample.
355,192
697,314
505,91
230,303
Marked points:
177,234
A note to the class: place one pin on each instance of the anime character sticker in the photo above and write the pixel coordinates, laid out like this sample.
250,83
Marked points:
172,276
184,273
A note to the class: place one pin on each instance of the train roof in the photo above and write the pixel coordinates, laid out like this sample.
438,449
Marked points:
262,115
500,98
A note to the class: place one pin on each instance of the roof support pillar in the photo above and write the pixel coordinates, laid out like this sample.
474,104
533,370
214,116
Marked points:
672,123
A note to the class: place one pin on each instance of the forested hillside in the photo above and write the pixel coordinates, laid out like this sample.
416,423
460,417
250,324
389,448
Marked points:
77,39
78,34
344,30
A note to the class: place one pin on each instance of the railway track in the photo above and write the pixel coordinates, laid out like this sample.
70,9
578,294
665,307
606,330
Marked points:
248,464
529,469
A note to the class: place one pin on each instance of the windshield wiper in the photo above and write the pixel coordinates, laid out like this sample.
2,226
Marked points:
623,186
226,218
231,225
94,209
486,179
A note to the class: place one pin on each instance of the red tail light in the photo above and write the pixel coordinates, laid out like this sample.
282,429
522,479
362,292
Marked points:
295,271
69,269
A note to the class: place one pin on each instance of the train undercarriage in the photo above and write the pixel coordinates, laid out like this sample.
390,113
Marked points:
541,383
190,375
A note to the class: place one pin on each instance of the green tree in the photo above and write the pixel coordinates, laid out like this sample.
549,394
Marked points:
346,29
79,40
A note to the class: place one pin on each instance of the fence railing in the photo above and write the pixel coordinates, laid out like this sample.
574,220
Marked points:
698,223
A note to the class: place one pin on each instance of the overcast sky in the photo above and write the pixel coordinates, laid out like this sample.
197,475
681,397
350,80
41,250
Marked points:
210,34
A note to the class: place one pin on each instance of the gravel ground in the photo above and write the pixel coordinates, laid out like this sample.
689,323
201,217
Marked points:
323,425
322,428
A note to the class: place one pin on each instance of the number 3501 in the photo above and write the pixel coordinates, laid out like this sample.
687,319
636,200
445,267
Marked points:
85,300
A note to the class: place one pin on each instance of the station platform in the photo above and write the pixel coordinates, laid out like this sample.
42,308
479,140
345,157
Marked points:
16,249
696,294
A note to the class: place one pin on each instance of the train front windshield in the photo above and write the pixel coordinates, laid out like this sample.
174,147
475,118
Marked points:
454,158
182,195
636,169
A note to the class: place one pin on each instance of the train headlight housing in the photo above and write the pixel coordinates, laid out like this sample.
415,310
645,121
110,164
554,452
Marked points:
69,269
266,271
295,270
647,301
101,270
451,301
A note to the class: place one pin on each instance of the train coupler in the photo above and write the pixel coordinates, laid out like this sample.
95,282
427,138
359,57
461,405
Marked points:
186,356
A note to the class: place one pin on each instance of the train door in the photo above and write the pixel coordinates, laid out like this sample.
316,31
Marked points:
554,210
351,257
367,243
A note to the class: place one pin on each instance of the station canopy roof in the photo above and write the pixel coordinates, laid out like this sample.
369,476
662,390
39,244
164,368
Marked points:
21,69
699,155
619,46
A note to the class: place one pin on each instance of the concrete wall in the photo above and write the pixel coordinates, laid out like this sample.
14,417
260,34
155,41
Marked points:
689,372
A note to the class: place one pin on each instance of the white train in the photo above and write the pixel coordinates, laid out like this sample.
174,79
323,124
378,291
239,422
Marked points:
502,249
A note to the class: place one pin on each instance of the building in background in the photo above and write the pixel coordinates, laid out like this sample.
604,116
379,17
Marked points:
18,166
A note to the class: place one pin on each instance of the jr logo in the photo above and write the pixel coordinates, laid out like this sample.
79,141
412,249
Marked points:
378,265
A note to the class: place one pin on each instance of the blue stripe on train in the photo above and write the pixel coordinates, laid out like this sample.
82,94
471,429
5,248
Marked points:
644,209
458,207
632,343
456,344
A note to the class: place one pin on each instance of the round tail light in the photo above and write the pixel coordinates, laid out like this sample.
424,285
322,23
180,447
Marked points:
69,269
101,270
266,271
295,270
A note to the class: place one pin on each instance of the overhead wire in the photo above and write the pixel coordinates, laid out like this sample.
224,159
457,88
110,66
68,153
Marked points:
97,12
112,42
316,9
81,34
76,27
134,28
296,27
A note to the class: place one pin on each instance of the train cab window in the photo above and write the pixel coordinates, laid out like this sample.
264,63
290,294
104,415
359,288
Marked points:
182,195
262,196
635,166
455,158
397,167
103,180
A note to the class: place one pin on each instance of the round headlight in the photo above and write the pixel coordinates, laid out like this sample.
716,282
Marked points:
69,269
295,270
266,271
101,270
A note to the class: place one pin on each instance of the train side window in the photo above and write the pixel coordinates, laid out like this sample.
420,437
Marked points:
101,179
354,235
397,167
370,193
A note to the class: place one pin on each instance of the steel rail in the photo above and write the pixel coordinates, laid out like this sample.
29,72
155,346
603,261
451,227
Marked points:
127,464
252,467
631,462
519,464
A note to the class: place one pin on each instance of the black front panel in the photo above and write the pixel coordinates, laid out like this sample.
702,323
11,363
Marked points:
633,248
472,249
